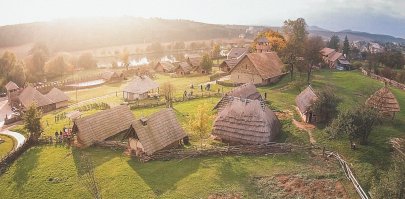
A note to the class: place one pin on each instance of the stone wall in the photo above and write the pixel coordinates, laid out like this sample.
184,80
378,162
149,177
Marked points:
383,79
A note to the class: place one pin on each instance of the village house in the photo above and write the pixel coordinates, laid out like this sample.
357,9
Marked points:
304,102
263,45
233,58
58,97
164,67
195,62
236,53
228,64
112,76
246,121
335,59
140,88
183,68
258,68
105,125
159,131
12,93
30,95
245,91
384,101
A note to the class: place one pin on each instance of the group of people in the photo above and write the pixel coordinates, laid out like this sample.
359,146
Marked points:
65,135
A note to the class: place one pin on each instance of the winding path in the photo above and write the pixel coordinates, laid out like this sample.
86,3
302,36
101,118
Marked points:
17,136
306,127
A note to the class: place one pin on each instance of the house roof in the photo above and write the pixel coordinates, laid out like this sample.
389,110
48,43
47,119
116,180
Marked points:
57,95
245,91
384,100
231,63
237,52
184,66
305,99
335,56
344,61
102,125
31,95
327,51
194,60
167,66
108,75
161,130
248,122
11,86
262,40
267,64
141,85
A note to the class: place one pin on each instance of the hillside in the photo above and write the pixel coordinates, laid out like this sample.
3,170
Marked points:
75,34
357,36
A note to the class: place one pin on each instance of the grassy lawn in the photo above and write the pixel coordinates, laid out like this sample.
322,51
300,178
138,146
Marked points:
7,145
123,177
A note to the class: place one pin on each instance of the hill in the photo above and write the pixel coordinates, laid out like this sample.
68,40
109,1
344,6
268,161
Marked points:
356,36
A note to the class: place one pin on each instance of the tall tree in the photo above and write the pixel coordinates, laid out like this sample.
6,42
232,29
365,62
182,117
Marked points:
296,33
86,61
200,122
124,58
216,50
38,55
207,63
167,90
12,69
311,54
334,42
326,105
57,67
346,47
276,40
32,122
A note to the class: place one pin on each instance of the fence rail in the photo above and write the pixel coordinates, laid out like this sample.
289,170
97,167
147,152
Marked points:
383,79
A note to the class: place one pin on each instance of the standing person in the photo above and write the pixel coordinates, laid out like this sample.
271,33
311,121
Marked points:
61,136
201,88
56,136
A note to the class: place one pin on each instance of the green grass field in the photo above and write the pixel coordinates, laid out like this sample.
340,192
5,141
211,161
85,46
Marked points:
6,146
49,171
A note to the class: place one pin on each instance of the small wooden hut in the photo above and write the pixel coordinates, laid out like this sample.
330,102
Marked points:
103,125
12,92
384,101
304,102
31,95
245,91
159,131
139,88
112,76
183,68
58,97
247,122
164,67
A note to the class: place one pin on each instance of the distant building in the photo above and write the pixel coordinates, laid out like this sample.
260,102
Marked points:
228,64
236,53
12,92
335,59
183,68
258,68
245,91
195,62
112,76
30,95
58,97
304,102
165,67
384,101
140,88
263,45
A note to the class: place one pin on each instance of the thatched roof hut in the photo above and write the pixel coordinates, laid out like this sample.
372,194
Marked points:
139,88
31,95
165,67
58,97
304,101
384,101
11,86
245,91
247,122
111,76
159,131
103,125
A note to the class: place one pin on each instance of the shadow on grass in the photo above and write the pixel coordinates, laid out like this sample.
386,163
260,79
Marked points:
24,165
162,176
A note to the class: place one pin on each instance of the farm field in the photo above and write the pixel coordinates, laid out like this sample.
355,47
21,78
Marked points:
55,169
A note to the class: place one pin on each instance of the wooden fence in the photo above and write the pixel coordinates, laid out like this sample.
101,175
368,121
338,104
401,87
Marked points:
349,174
383,79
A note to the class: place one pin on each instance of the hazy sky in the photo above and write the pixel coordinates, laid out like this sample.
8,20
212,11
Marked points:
376,16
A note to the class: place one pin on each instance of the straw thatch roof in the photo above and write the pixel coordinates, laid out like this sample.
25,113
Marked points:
31,95
11,86
246,122
267,64
305,99
194,60
327,51
157,131
245,91
109,75
384,101
262,40
102,125
185,67
237,52
141,85
230,63
57,95
167,66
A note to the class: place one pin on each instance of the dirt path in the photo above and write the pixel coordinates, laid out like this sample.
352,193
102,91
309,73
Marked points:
306,127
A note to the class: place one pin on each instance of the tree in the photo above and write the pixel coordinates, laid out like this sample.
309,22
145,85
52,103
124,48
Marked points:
334,42
86,61
124,57
295,34
168,90
57,67
38,55
12,69
276,40
326,105
200,122
311,54
207,63
346,47
216,50
356,123
32,122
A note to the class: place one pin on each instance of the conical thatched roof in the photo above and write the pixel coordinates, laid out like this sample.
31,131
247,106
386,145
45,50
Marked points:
384,100
57,95
11,86
305,99
141,85
245,91
247,122
31,95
